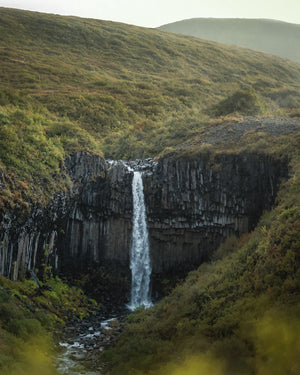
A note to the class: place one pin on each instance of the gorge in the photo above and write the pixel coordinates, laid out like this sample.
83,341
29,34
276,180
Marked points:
191,206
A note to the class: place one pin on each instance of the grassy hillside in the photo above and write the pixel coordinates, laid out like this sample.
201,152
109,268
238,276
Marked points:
28,317
69,84
275,37
72,84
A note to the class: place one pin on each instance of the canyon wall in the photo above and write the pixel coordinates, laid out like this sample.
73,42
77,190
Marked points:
192,205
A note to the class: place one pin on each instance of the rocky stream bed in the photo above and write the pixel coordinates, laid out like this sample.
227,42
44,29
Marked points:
81,343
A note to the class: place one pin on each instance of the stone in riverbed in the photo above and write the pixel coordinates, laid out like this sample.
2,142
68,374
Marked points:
78,356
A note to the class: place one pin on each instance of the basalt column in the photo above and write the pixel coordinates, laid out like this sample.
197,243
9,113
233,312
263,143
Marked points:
193,205
99,227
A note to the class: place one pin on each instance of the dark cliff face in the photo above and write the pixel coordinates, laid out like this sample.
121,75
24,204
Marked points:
28,243
98,229
192,205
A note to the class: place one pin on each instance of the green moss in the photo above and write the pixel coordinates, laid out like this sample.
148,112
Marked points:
55,299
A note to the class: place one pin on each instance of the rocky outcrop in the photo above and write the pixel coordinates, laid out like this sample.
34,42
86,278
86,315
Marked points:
26,243
98,227
192,205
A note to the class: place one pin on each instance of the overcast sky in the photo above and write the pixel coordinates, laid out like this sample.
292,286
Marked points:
153,13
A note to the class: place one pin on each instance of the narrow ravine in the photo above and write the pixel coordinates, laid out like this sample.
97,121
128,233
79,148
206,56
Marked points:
83,342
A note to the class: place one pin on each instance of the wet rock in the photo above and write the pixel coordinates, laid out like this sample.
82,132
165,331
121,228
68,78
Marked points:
81,347
78,356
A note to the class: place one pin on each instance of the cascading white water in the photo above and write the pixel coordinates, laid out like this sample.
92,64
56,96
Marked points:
139,257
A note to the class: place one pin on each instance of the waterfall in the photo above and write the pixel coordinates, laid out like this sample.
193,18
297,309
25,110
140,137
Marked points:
139,256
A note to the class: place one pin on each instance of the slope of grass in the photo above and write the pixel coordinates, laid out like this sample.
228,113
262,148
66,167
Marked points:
71,84
275,37
28,317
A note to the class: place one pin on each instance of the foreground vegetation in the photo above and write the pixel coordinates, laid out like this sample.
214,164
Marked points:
238,314
28,318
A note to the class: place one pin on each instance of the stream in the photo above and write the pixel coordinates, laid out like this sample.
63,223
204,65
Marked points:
82,343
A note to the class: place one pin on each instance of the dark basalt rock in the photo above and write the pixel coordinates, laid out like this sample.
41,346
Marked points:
192,206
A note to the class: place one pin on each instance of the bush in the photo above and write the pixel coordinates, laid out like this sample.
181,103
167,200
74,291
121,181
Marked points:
245,102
